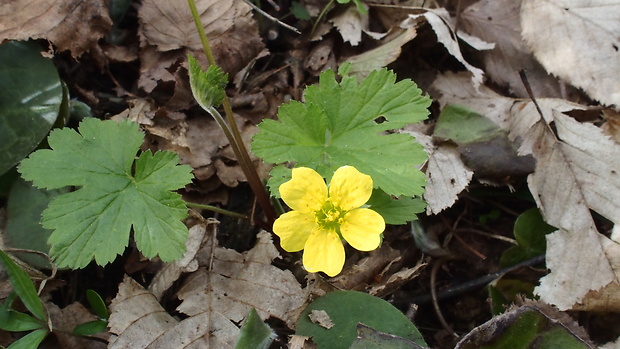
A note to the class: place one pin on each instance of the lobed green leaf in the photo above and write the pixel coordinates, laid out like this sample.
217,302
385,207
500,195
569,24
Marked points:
339,125
94,221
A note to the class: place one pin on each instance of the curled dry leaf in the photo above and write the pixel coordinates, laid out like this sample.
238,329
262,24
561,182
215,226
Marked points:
59,21
170,272
439,19
577,41
351,23
446,174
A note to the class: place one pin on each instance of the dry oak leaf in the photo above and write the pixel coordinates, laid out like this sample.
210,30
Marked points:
577,41
72,25
239,281
216,302
499,21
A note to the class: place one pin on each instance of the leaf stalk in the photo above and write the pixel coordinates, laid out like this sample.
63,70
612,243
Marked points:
231,131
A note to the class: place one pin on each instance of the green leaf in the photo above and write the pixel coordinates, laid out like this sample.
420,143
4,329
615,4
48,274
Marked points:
207,86
254,333
94,221
29,102
90,328
336,127
348,308
23,287
463,126
95,302
14,321
24,208
530,230
29,341
299,11
395,211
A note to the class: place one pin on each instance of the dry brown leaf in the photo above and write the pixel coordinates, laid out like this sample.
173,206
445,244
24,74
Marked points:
439,20
72,25
216,301
498,21
239,281
232,32
137,320
577,41
66,319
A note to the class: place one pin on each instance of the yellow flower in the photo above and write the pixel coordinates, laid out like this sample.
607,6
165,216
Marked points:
322,217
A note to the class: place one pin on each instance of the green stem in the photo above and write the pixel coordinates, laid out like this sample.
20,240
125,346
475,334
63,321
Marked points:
320,17
218,210
232,132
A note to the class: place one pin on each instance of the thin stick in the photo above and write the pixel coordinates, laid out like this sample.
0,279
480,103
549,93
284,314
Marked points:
218,210
438,312
271,18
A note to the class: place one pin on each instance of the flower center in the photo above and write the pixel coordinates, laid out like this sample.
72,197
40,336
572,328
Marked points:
330,217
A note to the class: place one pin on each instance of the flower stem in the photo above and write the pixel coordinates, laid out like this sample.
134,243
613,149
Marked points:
218,210
232,131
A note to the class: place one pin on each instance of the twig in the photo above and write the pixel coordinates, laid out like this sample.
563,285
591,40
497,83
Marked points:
434,299
271,18
484,233
473,284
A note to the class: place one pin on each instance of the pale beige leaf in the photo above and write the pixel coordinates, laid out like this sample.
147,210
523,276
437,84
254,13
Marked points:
580,262
577,172
440,22
447,176
72,25
363,64
498,21
577,41
351,23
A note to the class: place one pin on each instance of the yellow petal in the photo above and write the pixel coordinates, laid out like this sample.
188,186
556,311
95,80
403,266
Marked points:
349,188
294,228
324,252
362,229
305,192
